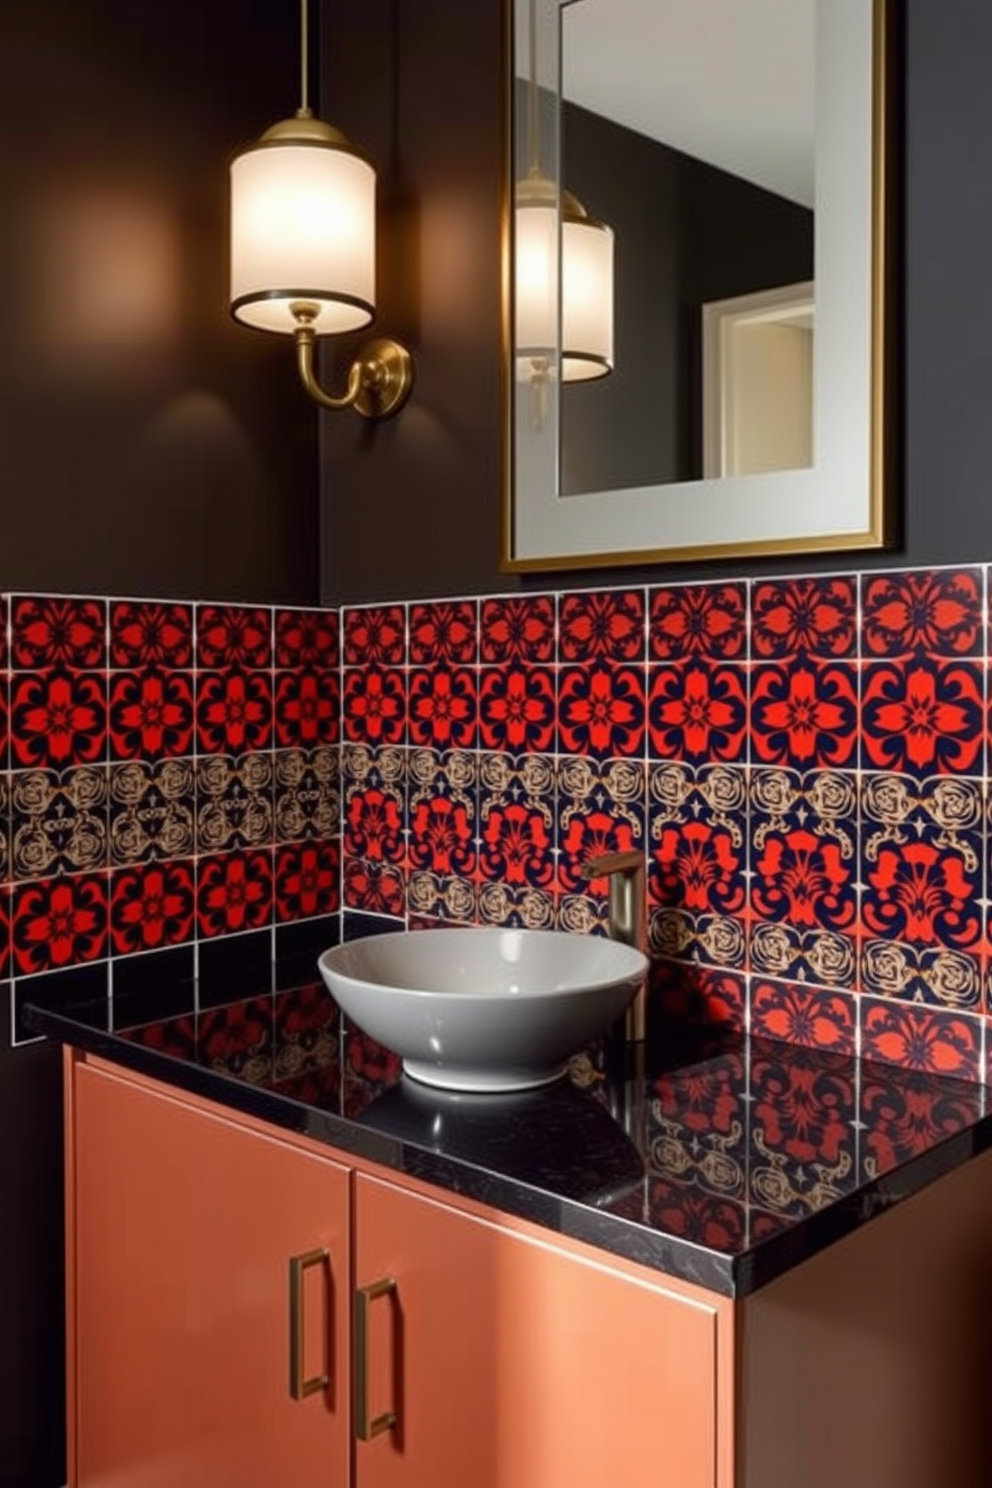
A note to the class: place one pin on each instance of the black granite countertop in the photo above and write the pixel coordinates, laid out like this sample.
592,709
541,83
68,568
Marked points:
723,1160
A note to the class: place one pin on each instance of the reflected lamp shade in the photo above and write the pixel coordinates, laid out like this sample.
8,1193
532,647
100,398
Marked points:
587,285
302,230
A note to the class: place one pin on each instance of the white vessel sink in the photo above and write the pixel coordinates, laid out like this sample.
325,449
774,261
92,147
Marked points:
483,1009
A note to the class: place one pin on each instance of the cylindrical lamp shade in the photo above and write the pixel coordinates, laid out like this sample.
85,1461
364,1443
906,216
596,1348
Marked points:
587,299
302,229
587,286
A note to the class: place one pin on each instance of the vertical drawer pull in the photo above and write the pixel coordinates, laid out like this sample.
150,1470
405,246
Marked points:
365,1428
299,1387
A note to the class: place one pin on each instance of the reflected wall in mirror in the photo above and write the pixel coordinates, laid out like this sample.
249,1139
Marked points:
737,150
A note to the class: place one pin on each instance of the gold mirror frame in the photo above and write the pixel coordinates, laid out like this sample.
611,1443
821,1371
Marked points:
841,501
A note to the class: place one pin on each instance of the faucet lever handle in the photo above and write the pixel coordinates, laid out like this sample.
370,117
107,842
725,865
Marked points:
612,862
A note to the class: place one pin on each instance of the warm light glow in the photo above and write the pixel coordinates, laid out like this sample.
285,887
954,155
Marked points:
587,292
587,300
302,228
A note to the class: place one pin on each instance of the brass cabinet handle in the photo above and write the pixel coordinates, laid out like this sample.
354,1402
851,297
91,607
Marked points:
299,1387
366,1429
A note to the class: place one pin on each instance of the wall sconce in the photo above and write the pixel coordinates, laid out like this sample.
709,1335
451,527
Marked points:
303,251
586,268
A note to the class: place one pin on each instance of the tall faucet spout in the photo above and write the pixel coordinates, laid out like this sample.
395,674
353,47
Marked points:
627,902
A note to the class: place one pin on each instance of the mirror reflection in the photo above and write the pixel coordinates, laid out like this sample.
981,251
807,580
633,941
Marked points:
731,153
690,129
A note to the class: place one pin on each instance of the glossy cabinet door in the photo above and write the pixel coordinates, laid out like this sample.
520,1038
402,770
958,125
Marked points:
183,1225
511,1363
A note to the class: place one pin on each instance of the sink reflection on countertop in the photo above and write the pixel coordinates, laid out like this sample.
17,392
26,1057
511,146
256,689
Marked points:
557,1136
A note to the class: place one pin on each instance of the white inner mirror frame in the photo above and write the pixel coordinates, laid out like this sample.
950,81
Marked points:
837,502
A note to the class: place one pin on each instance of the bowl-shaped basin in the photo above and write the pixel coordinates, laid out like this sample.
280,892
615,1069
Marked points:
483,1009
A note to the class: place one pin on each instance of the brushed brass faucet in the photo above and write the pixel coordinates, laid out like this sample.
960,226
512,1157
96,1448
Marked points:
626,874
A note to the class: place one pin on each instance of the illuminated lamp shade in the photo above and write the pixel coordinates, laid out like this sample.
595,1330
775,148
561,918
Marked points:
587,285
303,251
302,230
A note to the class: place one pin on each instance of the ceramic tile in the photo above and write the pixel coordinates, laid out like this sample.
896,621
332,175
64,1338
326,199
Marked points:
602,625
601,710
697,712
928,613
152,905
707,621
233,892
518,629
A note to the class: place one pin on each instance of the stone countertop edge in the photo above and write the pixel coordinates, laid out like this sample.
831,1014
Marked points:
735,1276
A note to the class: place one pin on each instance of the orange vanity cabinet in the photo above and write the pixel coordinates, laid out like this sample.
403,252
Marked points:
462,1349
182,1225
509,1361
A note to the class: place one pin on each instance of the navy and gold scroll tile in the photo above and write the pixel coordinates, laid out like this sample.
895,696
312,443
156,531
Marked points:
804,875
600,809
307,785
234,801
516,840
697,862
442,796
152,811
922,875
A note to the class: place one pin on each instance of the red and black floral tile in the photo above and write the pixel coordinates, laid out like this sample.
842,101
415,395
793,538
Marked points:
518,707
234,892
58,684
518,630
817,1017
697,711
601,709
443,706
804,714
373,887
444,632
374,705
59,922
152,905
707,621
306,880
307,638
812,617
602,625
374,636
234,686
927,1039
923,716
927,613
151,705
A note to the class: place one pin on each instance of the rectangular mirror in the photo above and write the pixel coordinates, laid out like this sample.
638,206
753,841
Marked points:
724,162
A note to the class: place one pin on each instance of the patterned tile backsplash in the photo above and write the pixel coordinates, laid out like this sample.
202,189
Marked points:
804,762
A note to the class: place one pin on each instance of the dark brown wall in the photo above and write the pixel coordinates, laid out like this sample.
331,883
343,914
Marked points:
150,446
147,445
412,506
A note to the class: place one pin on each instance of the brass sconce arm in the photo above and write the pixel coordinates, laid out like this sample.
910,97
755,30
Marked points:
379,380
